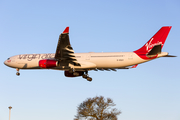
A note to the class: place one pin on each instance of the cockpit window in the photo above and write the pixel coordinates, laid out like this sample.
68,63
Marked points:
8,59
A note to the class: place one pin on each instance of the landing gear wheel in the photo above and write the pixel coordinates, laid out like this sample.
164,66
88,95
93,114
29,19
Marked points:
17,73
89,79
84,76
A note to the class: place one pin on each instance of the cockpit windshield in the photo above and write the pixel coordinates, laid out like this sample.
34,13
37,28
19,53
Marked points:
8,59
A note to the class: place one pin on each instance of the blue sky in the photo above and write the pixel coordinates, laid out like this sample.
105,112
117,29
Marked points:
151,91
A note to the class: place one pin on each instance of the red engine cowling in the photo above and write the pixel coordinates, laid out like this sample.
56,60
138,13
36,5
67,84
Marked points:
48,63
67,74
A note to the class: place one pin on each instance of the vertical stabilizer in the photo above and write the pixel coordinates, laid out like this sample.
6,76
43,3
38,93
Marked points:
157,40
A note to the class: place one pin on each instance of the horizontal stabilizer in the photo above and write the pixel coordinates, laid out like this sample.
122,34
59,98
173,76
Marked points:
169,56
155,50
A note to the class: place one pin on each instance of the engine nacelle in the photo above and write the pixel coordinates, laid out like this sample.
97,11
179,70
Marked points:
67,74
48,63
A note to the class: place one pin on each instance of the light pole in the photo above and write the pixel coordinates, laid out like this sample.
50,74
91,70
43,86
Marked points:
10,112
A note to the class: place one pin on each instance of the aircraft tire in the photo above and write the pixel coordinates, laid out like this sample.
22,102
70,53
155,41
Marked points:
89,79
84,76
17,73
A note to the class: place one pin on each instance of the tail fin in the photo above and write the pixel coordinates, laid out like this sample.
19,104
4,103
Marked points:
155,44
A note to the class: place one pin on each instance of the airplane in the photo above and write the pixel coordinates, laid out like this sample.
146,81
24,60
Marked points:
78,64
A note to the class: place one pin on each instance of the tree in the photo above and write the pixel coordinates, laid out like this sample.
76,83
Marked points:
97,108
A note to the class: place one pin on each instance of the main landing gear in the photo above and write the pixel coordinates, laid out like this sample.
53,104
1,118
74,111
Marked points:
17,73
86,76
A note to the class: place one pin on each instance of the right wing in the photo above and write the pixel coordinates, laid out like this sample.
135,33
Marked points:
64,51
115,69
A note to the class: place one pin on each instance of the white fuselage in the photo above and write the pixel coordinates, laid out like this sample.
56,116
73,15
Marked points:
87,60
78,64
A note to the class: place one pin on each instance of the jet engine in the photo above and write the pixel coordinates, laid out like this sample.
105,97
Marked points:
48,63
74,74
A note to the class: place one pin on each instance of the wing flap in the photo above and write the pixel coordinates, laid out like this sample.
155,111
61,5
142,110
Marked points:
115,69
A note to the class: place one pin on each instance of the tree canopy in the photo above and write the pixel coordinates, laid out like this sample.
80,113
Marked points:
97,108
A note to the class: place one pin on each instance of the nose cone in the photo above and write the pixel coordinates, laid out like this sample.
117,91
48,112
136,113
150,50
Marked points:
5,62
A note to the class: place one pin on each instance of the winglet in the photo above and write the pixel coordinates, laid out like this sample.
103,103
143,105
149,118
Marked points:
66,30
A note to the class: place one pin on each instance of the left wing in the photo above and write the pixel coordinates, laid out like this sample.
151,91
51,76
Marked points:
64,51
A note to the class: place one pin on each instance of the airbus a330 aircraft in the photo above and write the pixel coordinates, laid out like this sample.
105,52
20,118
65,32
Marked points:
78,64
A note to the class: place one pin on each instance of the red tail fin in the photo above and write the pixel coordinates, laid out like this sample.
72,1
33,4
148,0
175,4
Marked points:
158,39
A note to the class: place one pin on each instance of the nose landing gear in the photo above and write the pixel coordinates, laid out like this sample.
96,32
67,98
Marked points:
17,73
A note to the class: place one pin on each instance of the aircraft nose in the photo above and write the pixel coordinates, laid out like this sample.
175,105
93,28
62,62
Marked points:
8,62
5,62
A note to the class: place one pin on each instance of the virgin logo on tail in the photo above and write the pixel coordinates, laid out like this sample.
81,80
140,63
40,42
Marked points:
158,39
149,45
